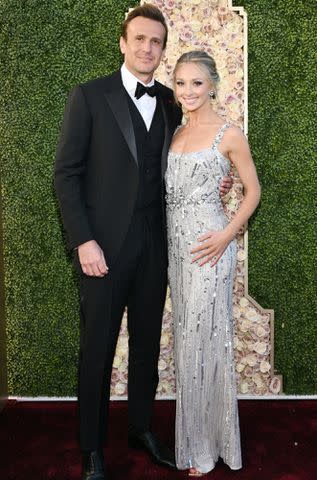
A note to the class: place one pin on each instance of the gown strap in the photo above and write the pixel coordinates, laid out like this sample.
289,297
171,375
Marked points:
220,134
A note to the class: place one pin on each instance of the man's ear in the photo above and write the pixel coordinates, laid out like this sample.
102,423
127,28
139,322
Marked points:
122,45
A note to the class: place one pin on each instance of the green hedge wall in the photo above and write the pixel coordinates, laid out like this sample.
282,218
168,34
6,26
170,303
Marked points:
47,47
282,132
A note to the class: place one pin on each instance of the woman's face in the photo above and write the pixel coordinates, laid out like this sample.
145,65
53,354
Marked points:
192,86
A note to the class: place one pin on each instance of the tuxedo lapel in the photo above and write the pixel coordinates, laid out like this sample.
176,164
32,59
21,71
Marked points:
168,132
117,101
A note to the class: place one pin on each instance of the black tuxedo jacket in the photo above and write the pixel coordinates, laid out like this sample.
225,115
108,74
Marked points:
96,169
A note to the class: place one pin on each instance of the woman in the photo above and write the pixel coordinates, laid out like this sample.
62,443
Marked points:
202,256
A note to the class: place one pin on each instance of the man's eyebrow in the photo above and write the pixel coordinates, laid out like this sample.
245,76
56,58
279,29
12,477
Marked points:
158,39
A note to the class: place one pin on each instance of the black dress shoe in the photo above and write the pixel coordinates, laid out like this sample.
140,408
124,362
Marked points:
93,466
159,453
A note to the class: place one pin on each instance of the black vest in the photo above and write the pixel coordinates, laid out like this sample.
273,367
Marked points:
149,149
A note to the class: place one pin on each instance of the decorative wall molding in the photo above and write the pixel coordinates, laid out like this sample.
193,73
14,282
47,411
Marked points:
172,397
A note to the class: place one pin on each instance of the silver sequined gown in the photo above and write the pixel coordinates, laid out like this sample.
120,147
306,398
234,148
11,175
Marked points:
207,422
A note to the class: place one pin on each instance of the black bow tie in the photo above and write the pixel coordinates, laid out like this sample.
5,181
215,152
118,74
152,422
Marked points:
141,90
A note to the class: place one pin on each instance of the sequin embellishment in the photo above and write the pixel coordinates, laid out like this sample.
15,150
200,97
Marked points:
207,422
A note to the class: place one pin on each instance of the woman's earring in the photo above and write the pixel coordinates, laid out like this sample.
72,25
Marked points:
212,94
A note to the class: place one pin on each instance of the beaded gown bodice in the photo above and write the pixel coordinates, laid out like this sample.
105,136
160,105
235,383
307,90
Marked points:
192,183
207,425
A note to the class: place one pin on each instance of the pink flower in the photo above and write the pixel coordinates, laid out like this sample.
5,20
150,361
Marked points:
169,4
207,12
159,3
222,10
169,68
186,34
275,385
230,99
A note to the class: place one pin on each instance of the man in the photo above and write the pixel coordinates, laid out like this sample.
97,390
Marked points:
110,166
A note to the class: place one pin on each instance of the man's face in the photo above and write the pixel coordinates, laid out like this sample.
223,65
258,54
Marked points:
143,48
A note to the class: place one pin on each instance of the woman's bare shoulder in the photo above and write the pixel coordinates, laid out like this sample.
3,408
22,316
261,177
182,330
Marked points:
235,132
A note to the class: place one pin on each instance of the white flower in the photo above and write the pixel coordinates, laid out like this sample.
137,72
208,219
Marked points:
122,342
251,360
119,388
196,25
234,27
244,302
168,304
260,347
238,345
166,387
250,345
235,117
173,39
241,255
162,364
221,64
235,42
165,339
122,351
252,315
231,206
260,331
239,73
257,380
244,387
245,325
240,367
123,367
117,361
265,366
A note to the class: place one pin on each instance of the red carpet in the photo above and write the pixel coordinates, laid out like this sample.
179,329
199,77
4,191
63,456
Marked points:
38,441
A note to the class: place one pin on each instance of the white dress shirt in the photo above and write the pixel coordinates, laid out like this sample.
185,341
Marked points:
146,104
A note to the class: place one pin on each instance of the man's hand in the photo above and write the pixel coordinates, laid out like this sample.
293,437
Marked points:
226,184
92,259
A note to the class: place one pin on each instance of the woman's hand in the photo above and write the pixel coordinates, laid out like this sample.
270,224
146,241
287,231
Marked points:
212,246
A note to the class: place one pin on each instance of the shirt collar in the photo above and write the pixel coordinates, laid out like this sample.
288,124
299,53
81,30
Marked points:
129,80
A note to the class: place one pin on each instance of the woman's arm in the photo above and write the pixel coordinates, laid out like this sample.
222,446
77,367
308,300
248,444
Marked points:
213,244
240,155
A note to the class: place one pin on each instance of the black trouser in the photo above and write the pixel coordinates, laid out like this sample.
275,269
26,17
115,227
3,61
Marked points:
137,280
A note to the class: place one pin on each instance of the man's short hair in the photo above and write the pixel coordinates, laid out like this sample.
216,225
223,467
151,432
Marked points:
147,11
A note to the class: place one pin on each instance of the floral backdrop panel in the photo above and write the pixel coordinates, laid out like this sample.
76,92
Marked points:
220,29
